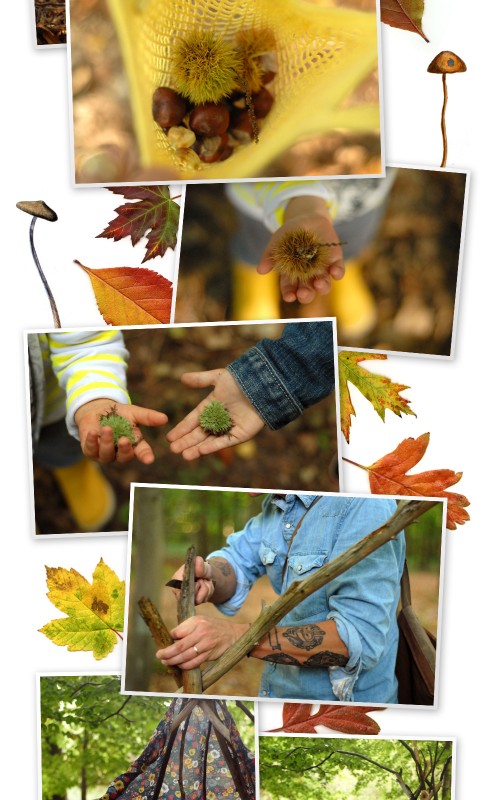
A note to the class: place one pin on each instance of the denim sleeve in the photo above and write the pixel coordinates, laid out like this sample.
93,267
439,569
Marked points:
281,377
242,552
363,600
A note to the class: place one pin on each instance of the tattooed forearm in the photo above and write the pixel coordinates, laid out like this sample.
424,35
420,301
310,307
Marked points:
221,565
282,658
305,637
326,659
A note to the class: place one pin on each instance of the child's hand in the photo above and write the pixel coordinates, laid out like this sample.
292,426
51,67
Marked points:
191,440
312,214
97,443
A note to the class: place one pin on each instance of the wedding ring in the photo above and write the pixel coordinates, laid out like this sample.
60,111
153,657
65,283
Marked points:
196,650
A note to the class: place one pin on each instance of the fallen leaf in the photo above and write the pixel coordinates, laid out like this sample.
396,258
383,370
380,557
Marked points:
94,610
155,212
388,475
297,718
404,14
131,295
381,392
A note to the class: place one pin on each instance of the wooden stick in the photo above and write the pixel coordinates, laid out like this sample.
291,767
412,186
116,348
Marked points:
159,632
408,511
191,678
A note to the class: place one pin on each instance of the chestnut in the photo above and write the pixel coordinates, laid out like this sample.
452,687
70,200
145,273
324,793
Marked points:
262,103
209,119
168,107
214,148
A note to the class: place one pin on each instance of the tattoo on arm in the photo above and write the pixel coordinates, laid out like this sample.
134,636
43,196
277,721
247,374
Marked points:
326,659
282,658
273,639
222,565
305,637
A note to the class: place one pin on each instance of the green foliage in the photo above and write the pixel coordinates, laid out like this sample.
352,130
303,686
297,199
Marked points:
89,728
295,767
423,540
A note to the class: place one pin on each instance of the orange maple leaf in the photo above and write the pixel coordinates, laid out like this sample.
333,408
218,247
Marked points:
388,475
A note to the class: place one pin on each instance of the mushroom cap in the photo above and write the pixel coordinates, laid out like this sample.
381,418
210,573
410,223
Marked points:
37,208
446,62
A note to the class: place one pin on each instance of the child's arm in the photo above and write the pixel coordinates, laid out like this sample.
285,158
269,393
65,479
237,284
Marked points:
271,383
91,368
312,214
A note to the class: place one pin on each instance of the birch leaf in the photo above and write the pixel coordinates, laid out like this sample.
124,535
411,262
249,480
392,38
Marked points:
131,295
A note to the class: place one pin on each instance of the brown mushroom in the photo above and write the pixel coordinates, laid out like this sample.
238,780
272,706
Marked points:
37,209
445,63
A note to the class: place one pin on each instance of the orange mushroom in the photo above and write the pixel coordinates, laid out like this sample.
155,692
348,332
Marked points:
445,63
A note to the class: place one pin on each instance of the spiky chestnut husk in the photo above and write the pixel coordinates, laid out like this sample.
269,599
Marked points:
252,44
300,255
215,419
120,425
205,68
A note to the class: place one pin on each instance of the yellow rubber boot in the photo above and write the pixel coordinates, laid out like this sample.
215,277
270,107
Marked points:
353,304
89,495
254,296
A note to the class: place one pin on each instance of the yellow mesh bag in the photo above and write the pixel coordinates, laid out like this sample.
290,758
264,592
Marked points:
323,54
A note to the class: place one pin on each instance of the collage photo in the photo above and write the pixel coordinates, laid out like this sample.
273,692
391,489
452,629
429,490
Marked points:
254,377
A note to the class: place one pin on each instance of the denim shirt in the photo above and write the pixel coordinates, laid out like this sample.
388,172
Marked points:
362,601
281,377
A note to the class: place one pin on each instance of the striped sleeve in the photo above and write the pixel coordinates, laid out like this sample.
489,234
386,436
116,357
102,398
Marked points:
89,365
267,200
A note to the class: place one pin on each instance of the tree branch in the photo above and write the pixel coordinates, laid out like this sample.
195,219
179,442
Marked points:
408,511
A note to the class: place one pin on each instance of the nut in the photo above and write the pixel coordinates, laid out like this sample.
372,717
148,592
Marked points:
215,148
168,107
262,103
180,137
209,119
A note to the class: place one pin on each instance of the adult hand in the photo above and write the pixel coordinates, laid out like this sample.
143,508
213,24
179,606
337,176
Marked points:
200,639
191,440
97,443
312,214
204,585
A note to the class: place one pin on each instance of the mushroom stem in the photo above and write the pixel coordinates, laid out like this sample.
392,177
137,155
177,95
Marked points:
55,313
443,121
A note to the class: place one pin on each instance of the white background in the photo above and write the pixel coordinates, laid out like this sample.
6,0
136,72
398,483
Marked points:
460,396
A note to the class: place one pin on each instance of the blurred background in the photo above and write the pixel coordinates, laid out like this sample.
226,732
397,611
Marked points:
404,282
90,733
168,521
302,455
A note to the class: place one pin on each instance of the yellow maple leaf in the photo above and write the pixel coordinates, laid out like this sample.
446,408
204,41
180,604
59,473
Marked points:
380,391
95,611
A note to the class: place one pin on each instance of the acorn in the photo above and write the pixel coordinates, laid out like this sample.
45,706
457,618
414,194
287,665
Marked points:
169,108
209,119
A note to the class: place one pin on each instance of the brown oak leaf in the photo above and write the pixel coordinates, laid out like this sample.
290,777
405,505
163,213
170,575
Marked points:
155,216
297,718
389,475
